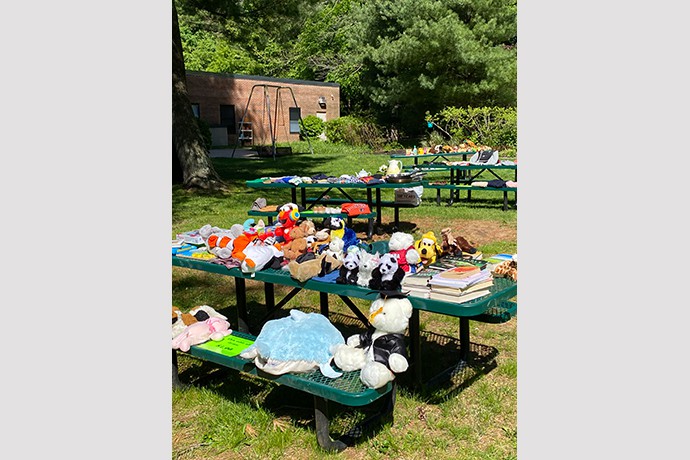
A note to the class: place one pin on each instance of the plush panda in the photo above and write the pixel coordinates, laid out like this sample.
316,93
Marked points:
349,269
388,275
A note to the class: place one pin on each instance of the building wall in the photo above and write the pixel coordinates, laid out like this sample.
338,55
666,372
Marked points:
211,90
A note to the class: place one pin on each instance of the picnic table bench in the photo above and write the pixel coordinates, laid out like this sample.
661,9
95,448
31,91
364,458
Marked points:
373,194
322,215
346,390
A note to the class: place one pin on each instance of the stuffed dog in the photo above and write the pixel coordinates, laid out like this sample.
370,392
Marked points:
428,248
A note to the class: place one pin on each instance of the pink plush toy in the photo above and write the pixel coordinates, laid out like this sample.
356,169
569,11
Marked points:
200,332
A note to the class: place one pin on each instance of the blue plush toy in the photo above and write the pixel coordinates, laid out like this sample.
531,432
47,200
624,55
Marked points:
301,342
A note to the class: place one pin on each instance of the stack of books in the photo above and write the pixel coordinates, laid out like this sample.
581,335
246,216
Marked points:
460,284
417,284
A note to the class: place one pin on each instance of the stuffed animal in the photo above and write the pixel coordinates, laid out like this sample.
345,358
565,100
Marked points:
219,241
367,263
335,226
454,246
319,266
380,352
402,246
200,332
388,275
180,321
335,248
296,246
428,248
254,254
506,269
350,267
301,342
288,215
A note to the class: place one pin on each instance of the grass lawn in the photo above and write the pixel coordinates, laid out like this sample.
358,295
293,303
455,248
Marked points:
226,415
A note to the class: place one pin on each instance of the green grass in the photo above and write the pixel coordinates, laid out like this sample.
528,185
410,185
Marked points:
224,414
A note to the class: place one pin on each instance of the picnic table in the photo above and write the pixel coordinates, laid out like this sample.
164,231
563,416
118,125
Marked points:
431,157
321,190
493,308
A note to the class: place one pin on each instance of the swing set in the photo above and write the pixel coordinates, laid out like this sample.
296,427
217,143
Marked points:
272,124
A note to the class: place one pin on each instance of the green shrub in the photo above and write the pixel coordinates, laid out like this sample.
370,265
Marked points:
359,131
205,132
311,126
492,126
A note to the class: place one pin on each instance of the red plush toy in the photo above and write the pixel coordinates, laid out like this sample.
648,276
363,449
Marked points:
288,215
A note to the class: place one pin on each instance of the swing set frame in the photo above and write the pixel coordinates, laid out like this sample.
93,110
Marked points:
267,107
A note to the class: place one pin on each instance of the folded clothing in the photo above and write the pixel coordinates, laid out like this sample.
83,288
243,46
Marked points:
496,183
479,184
510,183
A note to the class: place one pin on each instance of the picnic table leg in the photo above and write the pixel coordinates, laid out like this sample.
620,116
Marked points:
303,197
175,377
370,228
323,425
396,218
378,207
293,192
438,197
505,201
269,295
323,303
464,338
415,347
241,294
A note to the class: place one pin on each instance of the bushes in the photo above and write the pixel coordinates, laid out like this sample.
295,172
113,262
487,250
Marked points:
493,126
312,126
360,131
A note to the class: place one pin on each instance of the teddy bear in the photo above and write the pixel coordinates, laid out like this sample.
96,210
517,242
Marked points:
402,246
388,275
367,263
428,248
350,267
297,246
379,353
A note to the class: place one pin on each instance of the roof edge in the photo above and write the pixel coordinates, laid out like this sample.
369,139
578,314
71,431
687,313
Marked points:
238,76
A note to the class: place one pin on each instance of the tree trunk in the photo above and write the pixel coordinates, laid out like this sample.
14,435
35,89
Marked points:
194,160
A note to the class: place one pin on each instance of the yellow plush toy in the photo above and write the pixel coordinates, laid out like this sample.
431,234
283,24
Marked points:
428,248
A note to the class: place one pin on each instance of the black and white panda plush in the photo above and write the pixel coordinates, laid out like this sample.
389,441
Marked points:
349,269
388,275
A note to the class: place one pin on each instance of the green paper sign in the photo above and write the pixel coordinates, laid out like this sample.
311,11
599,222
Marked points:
230,345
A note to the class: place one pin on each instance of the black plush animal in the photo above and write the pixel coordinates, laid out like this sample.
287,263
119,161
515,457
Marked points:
349,269
388,275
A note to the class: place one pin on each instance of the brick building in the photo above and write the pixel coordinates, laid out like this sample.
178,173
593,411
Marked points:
221,100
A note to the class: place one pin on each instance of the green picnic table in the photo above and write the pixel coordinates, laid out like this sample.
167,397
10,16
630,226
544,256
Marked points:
493,308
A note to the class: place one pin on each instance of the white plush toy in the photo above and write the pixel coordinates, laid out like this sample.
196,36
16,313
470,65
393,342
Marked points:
335,248
367,263
402,246
379,353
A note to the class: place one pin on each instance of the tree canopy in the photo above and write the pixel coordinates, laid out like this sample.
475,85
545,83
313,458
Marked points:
394,59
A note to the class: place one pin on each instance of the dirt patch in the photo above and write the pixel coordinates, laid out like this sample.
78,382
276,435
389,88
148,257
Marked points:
477,232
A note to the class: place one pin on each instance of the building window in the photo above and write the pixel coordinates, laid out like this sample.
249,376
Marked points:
294,120
195,109
227,118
